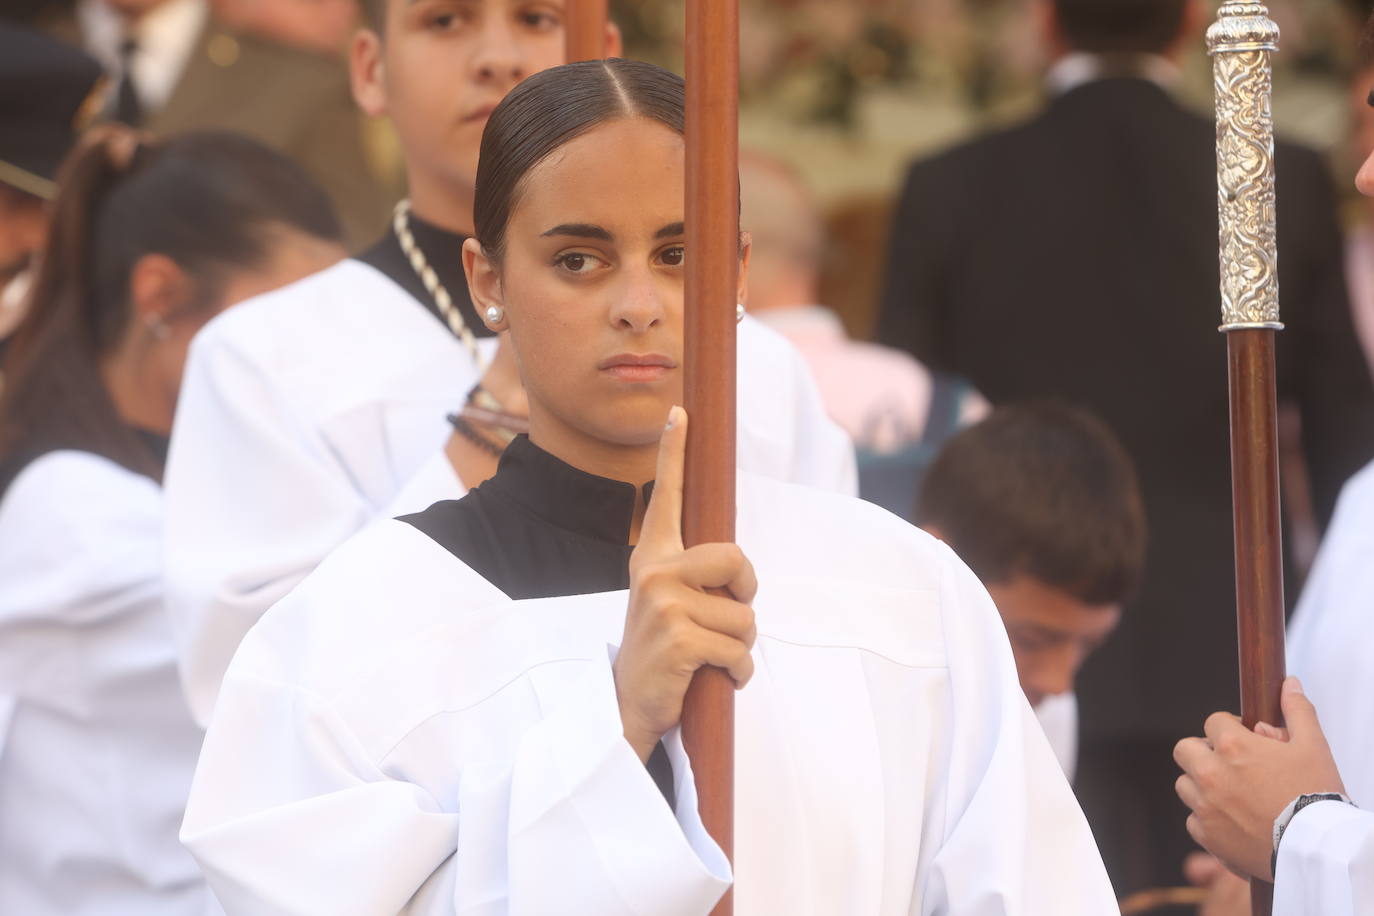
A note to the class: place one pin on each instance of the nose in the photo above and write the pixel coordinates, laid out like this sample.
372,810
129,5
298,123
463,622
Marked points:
1364,179
1050,676
499,58
640,306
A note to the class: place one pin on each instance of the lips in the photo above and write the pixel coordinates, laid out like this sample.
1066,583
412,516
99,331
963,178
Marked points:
479,114
637,367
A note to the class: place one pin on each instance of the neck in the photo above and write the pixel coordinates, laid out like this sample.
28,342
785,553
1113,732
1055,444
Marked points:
132,385
632,464
443,203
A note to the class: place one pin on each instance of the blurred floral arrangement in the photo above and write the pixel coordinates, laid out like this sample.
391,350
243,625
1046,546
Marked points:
815,59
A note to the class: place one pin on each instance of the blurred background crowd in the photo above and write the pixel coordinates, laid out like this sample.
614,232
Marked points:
925,274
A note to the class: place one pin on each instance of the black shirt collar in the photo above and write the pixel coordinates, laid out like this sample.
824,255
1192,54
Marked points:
563,496
443,251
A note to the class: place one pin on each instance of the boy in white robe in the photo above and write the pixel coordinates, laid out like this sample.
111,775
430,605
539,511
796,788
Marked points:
466,711
1041,501
309,412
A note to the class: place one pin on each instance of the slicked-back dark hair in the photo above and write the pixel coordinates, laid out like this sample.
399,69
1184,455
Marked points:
1120,26
1041,490
208,201
551,109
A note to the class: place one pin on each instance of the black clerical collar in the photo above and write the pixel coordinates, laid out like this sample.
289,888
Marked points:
443,251
559,494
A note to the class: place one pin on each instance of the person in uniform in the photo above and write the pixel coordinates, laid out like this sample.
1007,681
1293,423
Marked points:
487,693
96,744
177,67
312,411
48,93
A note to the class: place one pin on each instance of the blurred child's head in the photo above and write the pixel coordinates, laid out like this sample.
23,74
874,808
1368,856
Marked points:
1042,503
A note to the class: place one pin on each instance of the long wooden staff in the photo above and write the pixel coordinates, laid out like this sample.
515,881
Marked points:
584,31
1241,42
708,510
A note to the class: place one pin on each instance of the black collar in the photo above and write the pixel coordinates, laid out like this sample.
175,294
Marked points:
443,251
560,495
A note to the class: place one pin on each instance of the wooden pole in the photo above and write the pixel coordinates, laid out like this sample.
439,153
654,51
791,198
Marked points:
584,30
712,225
1241,42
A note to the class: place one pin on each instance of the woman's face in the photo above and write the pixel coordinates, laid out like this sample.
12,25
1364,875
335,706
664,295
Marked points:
592,285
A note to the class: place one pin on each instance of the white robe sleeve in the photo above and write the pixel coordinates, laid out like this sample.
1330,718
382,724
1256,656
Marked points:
255,499
1015,840
294,810
1326,863
785,432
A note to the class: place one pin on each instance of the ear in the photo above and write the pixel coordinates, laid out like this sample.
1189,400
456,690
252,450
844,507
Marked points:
158,290
367,72
484,284
615,43
746,247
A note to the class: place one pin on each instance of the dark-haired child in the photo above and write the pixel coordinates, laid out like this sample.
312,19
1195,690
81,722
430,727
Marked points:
475,708
1041,501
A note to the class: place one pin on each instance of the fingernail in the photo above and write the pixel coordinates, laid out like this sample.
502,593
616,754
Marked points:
1292,685
672,416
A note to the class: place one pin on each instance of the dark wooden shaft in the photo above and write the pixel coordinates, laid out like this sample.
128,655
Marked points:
584,29
708,512
1259,538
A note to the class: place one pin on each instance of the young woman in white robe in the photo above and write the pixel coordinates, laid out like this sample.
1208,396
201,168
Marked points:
96,744
474,709
320,408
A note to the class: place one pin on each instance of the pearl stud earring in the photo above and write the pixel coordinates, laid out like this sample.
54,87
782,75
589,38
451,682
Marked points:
495,314
739,312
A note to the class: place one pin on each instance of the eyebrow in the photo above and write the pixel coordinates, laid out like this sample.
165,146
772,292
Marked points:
581,231
589,231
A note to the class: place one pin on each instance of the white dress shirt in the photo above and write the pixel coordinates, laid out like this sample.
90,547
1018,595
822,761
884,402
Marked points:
166,36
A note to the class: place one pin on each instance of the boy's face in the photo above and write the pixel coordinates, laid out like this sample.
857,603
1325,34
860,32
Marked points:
1051,633
441,66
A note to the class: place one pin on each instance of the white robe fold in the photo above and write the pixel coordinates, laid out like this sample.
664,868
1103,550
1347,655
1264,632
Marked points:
1326,859
397,736
96,744
304,414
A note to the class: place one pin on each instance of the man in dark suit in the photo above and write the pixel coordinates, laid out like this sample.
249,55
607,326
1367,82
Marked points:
1075,257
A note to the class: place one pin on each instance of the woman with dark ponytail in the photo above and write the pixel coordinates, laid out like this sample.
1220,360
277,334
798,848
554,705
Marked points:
148,242
475,709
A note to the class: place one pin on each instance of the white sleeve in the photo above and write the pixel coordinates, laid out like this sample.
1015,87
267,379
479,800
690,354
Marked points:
824,455
255,499
290,815
1015,840
785,432
1326,862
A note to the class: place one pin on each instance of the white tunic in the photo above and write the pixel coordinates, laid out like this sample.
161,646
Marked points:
1326,860
398,736
305,412
96,744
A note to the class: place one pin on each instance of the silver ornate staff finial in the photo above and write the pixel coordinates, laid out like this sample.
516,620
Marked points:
1240,43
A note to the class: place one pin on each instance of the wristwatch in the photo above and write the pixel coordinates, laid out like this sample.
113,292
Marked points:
1286,817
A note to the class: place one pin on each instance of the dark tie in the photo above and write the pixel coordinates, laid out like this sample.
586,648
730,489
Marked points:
128,109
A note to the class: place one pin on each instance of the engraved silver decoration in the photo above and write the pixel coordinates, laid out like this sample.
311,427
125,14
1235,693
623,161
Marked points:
1240,43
